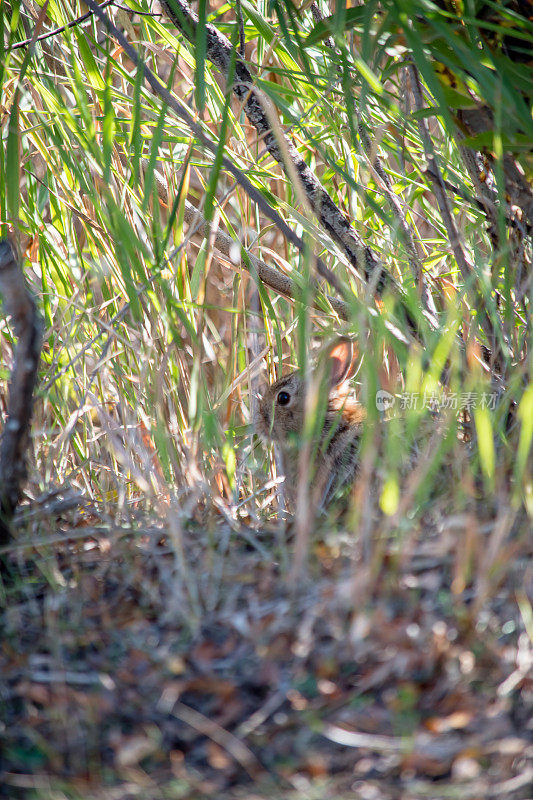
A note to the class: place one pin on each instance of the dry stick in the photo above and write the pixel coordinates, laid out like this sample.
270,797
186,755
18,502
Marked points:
223,738
487,198
80,20
15,437
180,111
361,257
488,202
272,277
243,181
242,39
268,275
56,31
437,181
394,205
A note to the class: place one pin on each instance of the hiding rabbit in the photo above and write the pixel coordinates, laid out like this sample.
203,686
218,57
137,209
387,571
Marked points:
282,415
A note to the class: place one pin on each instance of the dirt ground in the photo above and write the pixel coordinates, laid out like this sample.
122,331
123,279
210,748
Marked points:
184,660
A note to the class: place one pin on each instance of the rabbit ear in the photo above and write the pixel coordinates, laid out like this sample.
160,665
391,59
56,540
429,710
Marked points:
341,356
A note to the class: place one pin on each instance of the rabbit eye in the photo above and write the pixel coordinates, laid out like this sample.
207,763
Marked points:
284,398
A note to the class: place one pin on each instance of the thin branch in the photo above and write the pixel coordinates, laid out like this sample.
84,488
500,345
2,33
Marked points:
242,39
376,163
434,174
216,733
268,275
55,31
280,283
487,199
20,305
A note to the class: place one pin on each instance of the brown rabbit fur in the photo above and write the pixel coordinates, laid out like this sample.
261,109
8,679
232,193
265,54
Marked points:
281,419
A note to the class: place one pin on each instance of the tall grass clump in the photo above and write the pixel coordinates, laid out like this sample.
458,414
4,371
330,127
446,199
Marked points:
413,119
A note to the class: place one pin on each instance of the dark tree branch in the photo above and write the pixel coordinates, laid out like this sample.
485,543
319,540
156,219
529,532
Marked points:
242,39
161,90
219,52
183,114
479,120
269,276
20,306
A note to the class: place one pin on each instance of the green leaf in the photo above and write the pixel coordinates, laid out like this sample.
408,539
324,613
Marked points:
108,130
198,270
89,62
456,99
485,443
525,414
136,147
494,139
262,26
230,460
327,27
13,163
200,52
155,144
390,496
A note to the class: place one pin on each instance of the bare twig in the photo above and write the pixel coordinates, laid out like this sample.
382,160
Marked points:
486,199
14,442
219,52
438,184
230,743
272,277
56,31
242,40
268,275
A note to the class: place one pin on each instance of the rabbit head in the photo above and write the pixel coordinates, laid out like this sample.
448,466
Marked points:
282,414
282,409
